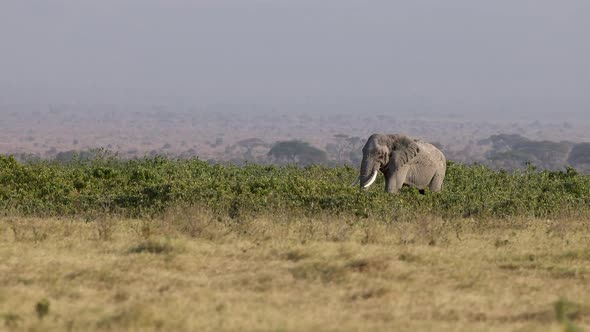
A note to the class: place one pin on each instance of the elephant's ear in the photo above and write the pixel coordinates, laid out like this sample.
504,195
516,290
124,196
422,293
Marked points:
404,150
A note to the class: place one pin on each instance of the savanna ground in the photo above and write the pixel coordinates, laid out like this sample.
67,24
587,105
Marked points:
188,270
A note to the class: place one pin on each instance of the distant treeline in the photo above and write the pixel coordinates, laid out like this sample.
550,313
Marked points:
503,151
515,152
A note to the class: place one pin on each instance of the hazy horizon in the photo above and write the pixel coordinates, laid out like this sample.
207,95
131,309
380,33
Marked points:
454,56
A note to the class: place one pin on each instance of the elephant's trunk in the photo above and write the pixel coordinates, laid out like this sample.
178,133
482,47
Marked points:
368,174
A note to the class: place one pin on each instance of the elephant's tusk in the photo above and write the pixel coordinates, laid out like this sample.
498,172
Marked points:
356,181
371,180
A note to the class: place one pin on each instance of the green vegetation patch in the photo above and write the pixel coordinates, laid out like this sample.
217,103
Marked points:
150,186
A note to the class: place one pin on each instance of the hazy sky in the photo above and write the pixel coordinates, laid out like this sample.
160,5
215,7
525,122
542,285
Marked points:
463,54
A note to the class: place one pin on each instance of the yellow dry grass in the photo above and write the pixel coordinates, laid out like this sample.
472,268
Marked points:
189,271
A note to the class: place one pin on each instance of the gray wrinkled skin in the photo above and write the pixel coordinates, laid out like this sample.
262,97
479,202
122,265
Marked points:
403,160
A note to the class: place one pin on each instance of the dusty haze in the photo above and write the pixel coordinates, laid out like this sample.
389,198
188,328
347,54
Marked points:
437,63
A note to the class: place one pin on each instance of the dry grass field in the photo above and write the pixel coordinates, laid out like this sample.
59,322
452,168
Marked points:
190,271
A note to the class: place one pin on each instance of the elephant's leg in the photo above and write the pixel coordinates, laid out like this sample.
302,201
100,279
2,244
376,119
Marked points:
390,184
395,180
436,182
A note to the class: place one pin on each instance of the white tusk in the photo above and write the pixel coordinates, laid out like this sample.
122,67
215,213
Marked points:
372,180
356,181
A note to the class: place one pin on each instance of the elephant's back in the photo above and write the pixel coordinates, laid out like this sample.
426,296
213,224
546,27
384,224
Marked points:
431,155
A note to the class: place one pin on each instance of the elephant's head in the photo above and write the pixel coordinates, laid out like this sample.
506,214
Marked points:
385,153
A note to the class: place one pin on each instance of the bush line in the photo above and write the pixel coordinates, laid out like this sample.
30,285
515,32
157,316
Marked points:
149,186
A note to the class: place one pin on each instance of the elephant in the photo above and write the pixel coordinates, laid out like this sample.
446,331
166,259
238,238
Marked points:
403,160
